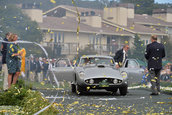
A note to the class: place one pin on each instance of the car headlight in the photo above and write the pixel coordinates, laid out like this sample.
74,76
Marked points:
124,75
81,74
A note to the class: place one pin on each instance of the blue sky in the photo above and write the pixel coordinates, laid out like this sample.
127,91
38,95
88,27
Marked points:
163,1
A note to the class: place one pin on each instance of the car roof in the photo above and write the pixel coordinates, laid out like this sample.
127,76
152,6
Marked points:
98,56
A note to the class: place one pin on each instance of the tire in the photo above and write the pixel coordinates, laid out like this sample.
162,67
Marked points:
114,91
123,91
78,90
73,88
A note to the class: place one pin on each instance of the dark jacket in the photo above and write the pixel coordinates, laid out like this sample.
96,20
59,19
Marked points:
4,51
154,54
38,67
32,65
119,57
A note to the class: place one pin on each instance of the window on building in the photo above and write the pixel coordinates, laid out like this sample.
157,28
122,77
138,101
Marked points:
92,13
59,37
82,13
86,13
92,39
51,36
147,42
55,37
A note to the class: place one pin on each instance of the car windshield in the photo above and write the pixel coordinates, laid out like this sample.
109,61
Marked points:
92,61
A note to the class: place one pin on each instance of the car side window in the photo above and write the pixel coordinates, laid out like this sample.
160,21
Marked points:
63,63
132,64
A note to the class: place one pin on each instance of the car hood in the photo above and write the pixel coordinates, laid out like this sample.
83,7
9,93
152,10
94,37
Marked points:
97,72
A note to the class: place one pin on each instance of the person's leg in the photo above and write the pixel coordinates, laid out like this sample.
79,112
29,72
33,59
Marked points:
157,72
15,78
153,81
9,80
5,69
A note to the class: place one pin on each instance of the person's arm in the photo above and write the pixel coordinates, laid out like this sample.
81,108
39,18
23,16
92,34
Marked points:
163,52
2,48
147,53
116,58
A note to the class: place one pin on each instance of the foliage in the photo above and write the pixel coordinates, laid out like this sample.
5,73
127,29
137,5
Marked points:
13,20
167,43
14,95
29,101
138,49
141,6
46,4
35,102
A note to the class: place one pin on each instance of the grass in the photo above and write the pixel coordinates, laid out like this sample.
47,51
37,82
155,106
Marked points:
19,99
1,83
166,84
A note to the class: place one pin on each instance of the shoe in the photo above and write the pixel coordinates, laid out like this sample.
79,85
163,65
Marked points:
154,94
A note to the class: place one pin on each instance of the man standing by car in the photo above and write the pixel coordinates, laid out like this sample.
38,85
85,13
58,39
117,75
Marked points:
121,56
154,53
4,65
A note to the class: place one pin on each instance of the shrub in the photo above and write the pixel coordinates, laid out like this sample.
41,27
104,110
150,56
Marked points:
30,101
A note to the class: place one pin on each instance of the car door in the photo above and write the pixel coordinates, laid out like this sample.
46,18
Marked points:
63,70
135,73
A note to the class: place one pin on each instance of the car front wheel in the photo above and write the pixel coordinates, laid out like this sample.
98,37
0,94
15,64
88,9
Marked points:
78,90
123,90
73,88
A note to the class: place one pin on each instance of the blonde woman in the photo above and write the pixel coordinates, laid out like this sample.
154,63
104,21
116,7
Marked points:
13,60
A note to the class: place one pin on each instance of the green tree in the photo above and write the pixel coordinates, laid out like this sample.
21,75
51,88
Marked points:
13,20
168,45
138,50
141,6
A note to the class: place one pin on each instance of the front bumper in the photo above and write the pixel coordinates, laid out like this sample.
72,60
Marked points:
97,86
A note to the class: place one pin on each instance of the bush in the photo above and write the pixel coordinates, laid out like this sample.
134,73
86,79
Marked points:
29,101
14,95
35,102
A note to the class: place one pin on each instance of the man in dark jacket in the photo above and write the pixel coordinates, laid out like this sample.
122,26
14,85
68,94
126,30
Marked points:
121,56
4,65
154,53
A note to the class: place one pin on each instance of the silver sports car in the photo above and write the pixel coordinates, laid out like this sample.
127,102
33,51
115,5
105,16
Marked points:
99,72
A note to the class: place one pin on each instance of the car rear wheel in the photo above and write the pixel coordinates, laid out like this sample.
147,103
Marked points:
123,91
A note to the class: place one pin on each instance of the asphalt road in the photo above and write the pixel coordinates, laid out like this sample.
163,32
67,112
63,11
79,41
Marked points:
137,101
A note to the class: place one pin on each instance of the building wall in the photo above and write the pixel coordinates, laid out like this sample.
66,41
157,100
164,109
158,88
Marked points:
130,13
34,14
164,16
70,14
160,16
94,21
169,17
116,15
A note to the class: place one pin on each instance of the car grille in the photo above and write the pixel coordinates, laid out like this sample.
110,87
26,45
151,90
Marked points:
98,80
